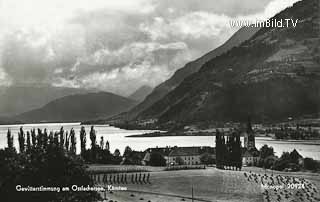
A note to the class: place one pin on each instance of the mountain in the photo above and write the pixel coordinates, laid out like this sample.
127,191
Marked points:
272,76
141,93
78,108
18,99
164,88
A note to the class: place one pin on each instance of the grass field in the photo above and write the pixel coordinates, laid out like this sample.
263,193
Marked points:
209,184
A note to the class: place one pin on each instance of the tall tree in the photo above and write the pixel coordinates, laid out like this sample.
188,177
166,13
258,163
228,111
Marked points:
127,151
51,139
39,138
107,146
28,142
93,137
67,140
21,138
33,137
10,139
32,170
101,143
45,138
83,139
61,137
56,139
73,141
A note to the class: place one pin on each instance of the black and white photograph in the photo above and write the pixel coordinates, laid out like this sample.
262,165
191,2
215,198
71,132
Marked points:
159,100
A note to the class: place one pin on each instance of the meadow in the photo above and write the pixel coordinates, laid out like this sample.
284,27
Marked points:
209,185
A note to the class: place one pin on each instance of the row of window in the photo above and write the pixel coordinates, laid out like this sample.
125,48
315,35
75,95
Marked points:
191,163
185,158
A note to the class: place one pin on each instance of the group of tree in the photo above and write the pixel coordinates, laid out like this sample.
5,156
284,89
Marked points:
228,151
97,153
42,140
131,157
157,159
47,160
291,161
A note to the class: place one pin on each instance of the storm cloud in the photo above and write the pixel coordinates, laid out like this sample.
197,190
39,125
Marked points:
116,46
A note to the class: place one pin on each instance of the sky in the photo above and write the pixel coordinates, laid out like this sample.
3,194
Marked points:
115,46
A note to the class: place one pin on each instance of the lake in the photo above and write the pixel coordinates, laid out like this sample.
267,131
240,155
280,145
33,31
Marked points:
118,140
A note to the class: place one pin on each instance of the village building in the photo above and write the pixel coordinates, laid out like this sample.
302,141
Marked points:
181,155
192,155
250,157
184,156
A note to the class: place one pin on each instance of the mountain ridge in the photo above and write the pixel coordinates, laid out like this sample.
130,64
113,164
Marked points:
191,67
223,89
17,99
141,93
79,107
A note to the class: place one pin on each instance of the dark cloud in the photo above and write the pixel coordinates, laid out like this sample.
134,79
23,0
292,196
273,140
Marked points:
120,50
23,62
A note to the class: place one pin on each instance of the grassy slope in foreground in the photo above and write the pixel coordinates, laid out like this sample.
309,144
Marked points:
209,185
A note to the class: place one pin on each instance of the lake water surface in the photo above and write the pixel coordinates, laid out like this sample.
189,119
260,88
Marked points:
118,140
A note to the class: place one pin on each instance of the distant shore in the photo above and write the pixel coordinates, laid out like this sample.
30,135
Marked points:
168,134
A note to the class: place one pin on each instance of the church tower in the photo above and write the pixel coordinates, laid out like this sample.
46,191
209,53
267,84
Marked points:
249,138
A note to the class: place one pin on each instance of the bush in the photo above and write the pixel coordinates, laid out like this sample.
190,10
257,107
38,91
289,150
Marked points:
51,167
207,159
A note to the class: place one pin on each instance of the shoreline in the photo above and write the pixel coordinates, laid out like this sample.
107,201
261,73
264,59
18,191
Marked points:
200,134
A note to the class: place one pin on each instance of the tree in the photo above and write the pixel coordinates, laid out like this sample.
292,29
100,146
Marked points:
268,162
285,156
101,142
116,153
73,141
45,138
66,143
28,141
10,139
127,151
47,167
107,146
207,159
266,151
83,140
179,160
33,138
21,139
61,137
39,138
156,159
93,137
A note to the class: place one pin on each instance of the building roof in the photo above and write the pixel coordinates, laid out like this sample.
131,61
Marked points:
162,150
191,151
185,151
